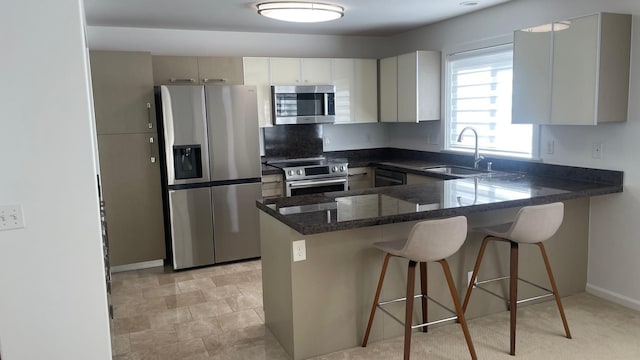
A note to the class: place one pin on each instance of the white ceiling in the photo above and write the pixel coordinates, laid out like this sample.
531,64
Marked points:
362,17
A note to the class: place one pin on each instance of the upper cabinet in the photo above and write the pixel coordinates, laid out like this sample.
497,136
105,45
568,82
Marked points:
203,70
123,92
256,72
356,81
573,72
295,71
389,89
416,80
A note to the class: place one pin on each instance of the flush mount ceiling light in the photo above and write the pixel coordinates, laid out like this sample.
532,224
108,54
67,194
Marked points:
297,11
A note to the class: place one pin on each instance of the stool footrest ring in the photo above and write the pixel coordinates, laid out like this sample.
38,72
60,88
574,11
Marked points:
548,292
382,303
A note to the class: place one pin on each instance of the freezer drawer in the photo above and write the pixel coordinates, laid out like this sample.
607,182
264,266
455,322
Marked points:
191,227
236,224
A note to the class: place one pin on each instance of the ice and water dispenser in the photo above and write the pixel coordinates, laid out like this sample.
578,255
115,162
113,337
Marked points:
187,161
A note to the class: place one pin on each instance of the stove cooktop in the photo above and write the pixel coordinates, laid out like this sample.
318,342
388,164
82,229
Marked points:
309,168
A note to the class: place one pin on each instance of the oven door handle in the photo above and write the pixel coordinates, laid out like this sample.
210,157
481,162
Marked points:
304,184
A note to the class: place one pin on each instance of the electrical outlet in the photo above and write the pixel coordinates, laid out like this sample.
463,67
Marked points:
551,146
469,275
11,217
299,250
596,150
327,141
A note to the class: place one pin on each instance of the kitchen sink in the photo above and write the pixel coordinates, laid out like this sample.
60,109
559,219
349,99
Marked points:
459,171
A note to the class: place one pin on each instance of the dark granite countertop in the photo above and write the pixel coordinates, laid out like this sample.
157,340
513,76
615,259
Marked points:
513,183
319,213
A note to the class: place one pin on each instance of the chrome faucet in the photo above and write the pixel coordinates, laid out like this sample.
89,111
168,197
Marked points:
476,156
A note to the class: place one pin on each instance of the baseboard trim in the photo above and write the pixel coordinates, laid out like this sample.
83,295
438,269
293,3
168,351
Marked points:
137,266
614,297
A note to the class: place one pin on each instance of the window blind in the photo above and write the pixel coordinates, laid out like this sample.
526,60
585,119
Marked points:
479,95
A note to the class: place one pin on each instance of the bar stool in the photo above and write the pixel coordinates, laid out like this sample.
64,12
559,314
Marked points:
532,225
431,240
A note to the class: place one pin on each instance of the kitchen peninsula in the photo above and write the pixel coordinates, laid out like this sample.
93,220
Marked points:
320,304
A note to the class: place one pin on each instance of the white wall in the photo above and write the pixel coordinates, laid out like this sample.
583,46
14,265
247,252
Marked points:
52,293
614,248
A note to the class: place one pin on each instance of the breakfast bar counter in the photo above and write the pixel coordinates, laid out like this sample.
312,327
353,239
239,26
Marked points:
317,297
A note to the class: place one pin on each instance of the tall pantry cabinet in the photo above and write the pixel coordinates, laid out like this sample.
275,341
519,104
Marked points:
128,152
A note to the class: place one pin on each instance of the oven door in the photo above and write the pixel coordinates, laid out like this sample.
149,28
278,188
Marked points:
302,187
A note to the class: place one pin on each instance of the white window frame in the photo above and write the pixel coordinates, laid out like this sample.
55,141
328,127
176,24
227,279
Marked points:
470,50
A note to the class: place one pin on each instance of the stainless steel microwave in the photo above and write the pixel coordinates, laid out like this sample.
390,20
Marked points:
303,104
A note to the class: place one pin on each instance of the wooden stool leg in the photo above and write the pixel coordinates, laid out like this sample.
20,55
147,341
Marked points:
460,313
425,301
513,293
411,282
555,290
376,299
467,296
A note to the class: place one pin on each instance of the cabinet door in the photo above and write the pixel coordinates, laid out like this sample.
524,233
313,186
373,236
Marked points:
389,89
531,96
360,178
575,56
316,71
285,71
272,186
175,70
344,80
256,72
366,90
407,88
220,70
133,197
428,86
122,92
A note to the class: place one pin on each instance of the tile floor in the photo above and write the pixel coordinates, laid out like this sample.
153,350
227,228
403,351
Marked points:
209,313
216,313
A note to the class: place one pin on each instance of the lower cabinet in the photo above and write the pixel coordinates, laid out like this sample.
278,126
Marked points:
272,186
360,178
131,189
419,179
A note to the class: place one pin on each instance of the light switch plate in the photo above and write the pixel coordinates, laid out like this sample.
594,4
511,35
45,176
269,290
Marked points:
11,217
299,250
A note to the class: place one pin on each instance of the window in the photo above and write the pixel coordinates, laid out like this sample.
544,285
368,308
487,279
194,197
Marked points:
479,95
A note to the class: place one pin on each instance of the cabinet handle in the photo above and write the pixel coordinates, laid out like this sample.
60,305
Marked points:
189,80
362,174
206,80
152,158
149,122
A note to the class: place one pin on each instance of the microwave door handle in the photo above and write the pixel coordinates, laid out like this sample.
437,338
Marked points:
316,183
326,104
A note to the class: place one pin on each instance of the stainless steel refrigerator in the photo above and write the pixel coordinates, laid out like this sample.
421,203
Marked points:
212,176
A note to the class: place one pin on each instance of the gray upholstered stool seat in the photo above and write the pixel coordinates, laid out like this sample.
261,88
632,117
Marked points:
431,240
532,225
